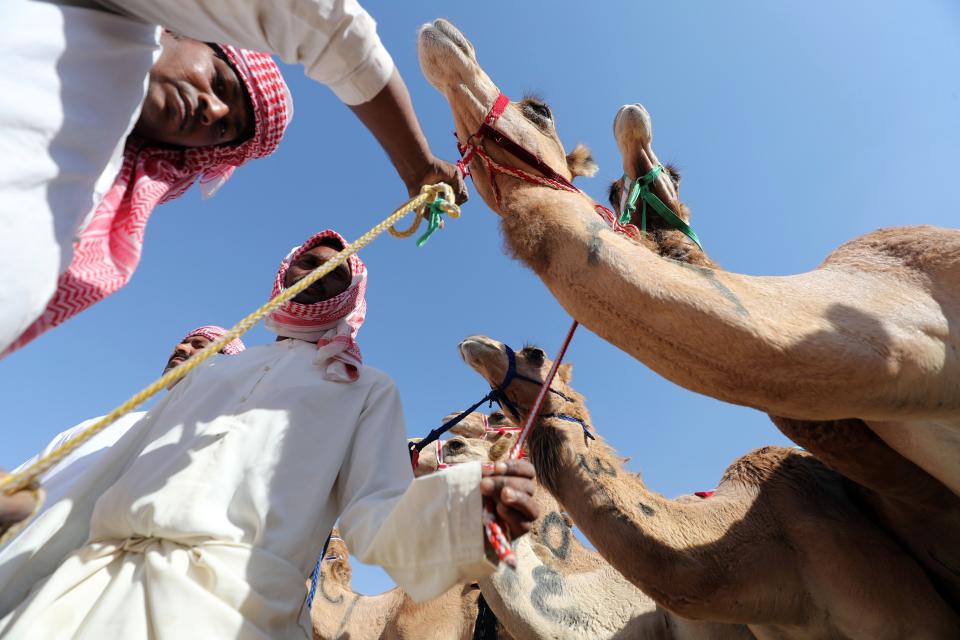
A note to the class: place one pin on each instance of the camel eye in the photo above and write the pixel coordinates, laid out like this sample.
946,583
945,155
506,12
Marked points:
534,355
496,416
455,446
539,110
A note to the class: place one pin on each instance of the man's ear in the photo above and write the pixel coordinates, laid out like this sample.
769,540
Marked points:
580,161
565,371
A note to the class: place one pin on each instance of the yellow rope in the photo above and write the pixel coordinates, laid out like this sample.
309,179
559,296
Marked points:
16,481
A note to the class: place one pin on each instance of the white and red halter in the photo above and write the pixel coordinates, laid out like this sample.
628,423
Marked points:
108,249
333,324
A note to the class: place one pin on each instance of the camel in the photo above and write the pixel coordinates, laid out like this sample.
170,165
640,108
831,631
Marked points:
918,510
560,589
780,546
563,590
338,613
871,334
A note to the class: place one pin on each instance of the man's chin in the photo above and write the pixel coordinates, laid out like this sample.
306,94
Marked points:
307,298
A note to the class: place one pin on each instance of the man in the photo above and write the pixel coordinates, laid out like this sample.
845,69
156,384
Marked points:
61,523
77,74
248,462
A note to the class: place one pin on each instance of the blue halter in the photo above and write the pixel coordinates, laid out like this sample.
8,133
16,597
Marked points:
497,394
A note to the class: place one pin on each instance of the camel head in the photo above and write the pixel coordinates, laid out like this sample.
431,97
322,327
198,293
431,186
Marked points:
476,437
490,448
633,130
335,565
491,359
450,64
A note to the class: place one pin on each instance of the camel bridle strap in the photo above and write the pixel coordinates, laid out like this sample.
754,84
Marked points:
568,418
549,177
497,394
641,190
541,396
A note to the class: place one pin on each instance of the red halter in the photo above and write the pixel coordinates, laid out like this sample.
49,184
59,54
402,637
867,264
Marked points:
548,178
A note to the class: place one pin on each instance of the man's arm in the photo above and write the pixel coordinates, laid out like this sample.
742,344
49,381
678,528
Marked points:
426,533
391,119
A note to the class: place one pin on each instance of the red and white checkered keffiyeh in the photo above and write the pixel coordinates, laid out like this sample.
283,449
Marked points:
333,324
107,250
213,333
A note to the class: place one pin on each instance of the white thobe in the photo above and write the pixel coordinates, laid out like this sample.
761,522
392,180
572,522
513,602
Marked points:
62,523
212,528
73,81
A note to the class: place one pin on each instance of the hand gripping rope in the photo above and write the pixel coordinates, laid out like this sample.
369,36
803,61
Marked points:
432,200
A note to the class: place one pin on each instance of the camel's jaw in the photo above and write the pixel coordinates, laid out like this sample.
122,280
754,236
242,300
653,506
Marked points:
485,356
449,62
633,130
632,127
427,461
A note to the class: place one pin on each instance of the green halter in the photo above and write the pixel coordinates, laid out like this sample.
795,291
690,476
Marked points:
641,188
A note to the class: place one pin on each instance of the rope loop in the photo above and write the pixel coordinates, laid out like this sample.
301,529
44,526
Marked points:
441,200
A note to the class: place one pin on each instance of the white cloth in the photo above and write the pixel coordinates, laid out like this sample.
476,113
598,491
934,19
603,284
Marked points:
73,82
62,523
211,530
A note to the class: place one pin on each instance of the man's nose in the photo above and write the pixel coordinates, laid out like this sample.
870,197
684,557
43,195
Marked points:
212,109
184,351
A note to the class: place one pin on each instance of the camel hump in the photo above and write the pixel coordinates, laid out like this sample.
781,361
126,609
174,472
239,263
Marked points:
770,463
919,248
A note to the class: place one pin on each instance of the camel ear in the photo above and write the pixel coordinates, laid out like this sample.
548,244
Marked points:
580,161
467,428
565,371
501,446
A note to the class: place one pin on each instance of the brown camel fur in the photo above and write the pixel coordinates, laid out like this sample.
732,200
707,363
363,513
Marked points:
780,547
561,589
870,334
338,613
915,508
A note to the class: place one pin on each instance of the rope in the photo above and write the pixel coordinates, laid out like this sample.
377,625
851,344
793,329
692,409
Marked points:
431,212
535,409
428,195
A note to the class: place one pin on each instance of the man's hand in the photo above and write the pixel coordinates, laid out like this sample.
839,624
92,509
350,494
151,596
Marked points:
510,487
15,508
438,170
390,118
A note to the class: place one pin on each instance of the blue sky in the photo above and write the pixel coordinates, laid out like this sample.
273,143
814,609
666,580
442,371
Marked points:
797,126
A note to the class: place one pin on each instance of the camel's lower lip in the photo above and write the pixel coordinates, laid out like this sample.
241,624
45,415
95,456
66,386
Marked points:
442,33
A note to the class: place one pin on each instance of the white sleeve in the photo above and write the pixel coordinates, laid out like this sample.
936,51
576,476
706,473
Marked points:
426,533
336,41
58,440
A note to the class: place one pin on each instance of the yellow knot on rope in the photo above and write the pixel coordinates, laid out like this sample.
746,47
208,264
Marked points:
427,199
431,212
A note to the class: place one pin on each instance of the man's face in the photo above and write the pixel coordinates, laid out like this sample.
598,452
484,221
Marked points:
185,350
329,286
194,98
